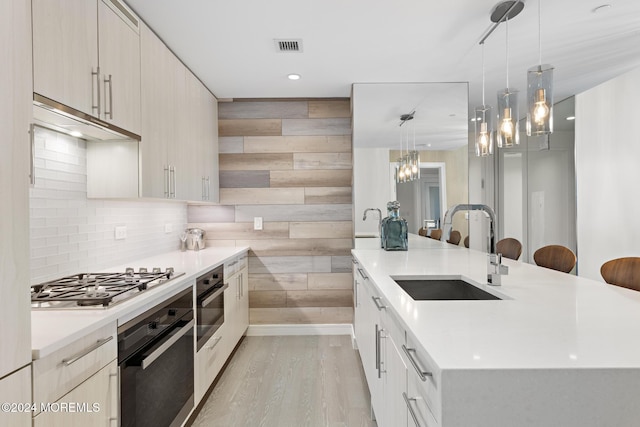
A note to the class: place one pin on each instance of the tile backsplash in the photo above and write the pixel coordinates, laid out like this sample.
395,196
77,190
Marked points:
70,233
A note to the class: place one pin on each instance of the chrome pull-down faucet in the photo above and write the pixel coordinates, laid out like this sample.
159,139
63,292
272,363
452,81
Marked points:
364,218
495,269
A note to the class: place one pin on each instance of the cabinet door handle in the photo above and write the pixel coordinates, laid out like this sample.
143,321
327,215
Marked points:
211,346
172,182
166,181
378,350
208,189
353,260
408,401
79,355
378,305
95,106
364,276
202,188
110,112
380,336
355,293
421,372
32,137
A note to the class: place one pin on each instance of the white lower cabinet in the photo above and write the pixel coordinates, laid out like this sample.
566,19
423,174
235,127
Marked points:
78,384
209,361
15,390
213,355
400,376
93,403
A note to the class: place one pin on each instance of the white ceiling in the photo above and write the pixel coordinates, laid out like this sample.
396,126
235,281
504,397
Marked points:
229,44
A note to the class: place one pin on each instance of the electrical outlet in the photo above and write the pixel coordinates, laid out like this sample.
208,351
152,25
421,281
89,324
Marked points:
257,223
121,232
168,228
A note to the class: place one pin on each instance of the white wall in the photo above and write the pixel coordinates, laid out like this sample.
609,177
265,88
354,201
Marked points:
72,234
371,186
607,173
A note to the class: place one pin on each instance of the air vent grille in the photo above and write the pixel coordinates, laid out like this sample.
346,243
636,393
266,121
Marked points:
289,45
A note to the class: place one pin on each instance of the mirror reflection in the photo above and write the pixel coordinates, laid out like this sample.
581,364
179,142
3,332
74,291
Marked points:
438,131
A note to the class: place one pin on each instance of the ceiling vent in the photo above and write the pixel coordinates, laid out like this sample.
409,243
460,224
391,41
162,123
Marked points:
289,45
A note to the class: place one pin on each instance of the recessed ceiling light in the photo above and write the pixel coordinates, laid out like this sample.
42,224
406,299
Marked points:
571,118
601,8
474,119
76,134
294,76
452,115
428,145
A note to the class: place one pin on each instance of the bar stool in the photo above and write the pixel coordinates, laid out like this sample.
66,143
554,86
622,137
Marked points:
624,272
436,234
454,237
422,232
466,242
509,248
555,257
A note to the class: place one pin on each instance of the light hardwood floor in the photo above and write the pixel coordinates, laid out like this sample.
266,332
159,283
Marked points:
290,381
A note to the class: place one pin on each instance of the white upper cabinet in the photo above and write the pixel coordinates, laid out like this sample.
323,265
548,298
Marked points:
179,154
87,56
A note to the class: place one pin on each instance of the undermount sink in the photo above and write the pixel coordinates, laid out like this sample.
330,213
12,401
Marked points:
442,289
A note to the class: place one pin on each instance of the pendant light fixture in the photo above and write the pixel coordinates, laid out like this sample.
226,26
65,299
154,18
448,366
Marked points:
540,92
408,166
483,123
508,127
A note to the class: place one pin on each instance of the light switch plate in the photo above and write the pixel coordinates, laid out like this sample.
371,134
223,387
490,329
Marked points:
121,232
257,223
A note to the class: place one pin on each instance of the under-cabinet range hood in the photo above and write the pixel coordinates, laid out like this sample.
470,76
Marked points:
59,117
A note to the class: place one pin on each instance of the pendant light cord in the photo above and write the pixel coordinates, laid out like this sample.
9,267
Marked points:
507,48
539,34
483,75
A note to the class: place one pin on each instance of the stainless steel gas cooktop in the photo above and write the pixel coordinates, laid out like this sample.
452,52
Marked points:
97,290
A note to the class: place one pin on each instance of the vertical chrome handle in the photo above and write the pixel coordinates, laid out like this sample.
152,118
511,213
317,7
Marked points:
364,276
110,112
166,181
380,362
172,182
208,189
421,372
202,188
95,106
114,398
408,401
241,276
378,350
32,175
355,293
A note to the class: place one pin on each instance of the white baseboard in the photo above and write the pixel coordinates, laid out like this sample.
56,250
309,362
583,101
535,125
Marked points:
300,329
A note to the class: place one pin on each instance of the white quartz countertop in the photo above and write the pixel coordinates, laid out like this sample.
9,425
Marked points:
53,329
547,320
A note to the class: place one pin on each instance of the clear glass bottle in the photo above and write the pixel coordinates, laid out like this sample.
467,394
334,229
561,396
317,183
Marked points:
394,229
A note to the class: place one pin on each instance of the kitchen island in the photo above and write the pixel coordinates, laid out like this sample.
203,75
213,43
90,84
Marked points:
555,350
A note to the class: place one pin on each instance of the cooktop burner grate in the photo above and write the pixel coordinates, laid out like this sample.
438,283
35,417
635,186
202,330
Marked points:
97,289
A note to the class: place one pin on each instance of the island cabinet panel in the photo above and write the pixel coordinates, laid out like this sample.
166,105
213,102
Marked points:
380,339
16,389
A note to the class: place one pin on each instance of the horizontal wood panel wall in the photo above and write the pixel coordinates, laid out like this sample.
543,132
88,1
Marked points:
289,162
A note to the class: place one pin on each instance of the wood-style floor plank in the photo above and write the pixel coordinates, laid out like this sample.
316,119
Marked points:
314,381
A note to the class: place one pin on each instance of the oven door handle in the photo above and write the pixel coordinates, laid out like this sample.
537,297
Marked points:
205,302
147,361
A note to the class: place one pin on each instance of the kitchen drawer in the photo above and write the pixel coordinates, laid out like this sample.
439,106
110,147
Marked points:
426,389
60,372
209,361
417,404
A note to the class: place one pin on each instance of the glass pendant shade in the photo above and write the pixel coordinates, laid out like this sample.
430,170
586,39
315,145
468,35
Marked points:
540,100
484,131
508,127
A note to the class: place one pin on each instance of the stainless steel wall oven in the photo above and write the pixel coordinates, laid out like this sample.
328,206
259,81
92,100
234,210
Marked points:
155,358
209,304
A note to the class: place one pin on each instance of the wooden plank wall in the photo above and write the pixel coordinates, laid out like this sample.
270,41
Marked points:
289,162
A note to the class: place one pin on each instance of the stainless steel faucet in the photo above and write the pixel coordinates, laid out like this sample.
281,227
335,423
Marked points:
495,269
448,219
364,218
